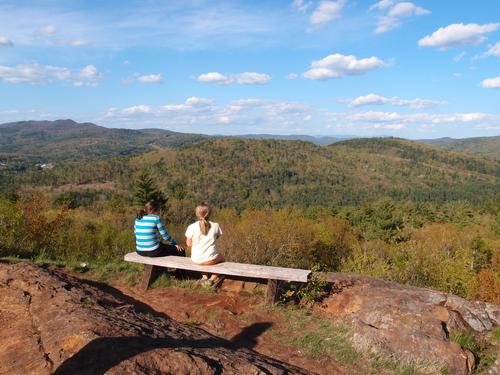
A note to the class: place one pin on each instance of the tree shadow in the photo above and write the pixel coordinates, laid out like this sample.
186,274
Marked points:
247,338
103,353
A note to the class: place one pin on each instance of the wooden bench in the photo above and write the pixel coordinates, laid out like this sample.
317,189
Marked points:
254,271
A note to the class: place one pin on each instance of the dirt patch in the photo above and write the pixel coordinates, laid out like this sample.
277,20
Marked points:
236,314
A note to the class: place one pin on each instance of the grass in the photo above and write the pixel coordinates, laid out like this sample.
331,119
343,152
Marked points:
495,334
484,352
319,338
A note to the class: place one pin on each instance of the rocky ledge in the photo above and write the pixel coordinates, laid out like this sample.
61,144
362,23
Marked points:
408,323
56,324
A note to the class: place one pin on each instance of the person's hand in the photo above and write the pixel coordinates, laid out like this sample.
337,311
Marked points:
179,248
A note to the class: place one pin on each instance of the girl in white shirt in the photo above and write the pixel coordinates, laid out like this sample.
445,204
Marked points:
201,237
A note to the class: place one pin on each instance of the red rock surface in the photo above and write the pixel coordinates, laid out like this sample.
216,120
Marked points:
54,323
408,323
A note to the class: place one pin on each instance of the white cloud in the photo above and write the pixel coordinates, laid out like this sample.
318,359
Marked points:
47,30
301,5
407,9
38,74
374,99
458,34
494,50
195,101
459,57
141,108
150,78
214,77
292,76
223,120
459,117
326,11
389,126
4,42
51,35
337,66
422,118
253,114
368,100
382,4
491,83
395,12
246,78
253,78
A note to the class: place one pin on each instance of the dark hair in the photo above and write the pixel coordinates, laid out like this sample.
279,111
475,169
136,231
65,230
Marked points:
149,208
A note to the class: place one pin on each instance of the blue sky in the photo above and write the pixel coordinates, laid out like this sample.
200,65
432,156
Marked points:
421,69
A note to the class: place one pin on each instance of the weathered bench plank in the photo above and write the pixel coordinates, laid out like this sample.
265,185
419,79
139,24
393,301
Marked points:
225,268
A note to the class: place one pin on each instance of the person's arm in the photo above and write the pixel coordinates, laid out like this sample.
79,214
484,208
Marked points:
189,236
164,234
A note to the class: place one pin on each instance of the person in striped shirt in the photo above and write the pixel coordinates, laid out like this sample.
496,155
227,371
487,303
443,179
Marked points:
147,224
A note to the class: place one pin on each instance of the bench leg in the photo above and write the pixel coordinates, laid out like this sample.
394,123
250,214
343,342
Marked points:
150,274
271,292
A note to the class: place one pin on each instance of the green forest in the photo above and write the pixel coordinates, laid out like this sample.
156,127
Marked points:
386,207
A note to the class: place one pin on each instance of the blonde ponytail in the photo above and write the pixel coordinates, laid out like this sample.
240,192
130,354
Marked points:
203,214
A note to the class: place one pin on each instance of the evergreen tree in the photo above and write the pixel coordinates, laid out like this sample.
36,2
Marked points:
145,190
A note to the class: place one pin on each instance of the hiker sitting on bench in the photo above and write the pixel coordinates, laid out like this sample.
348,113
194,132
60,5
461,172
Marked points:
147,224
201,237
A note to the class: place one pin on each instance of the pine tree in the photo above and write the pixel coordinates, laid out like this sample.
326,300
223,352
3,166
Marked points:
145,190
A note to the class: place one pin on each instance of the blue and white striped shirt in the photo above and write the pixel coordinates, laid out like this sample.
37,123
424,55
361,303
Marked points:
145,233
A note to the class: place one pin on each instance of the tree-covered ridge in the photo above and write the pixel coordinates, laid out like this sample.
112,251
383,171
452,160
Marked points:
486,146
61,140
238,173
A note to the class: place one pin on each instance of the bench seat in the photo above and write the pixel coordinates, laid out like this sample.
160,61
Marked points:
225,268
273,274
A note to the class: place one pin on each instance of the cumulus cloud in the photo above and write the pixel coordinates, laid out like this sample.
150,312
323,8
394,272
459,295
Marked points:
374,99
196,114
337,66
150,78
423,118
39,74
395,12
292,76
254,114
491,83
141,108
326,11
5,42
195,101
458,34
246,78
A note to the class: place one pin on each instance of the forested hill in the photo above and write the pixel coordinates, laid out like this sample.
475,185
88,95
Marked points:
319,140
60,140
486,146
236,173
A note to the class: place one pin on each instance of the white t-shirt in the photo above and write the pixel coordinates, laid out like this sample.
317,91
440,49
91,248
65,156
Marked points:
203,248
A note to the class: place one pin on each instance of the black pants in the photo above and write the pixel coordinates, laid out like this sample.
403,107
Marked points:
163,251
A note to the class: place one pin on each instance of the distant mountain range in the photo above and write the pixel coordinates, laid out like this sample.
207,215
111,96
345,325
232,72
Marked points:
68,140
486,146
318,140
